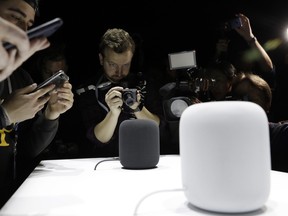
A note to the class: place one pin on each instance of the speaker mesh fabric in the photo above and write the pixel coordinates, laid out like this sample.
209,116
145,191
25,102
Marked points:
139,144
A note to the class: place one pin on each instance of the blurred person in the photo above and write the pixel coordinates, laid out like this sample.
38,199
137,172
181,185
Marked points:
25,129
210,83
66,143
189,86
253,88
101,102
50,61
251,57
13,58
245,31
221,49
220,75
280,93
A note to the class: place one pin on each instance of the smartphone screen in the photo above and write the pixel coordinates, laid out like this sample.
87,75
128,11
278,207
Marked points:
58,79
235,23
44,30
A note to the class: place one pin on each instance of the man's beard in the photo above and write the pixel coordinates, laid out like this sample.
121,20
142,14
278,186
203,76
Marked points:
116,79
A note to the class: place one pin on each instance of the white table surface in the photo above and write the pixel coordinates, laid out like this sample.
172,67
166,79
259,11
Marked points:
73,187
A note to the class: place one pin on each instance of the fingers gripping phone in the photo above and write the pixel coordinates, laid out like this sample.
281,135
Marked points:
44,30
58,79
235,23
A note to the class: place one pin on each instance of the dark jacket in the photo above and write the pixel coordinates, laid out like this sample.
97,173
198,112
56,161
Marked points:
31,136
279,146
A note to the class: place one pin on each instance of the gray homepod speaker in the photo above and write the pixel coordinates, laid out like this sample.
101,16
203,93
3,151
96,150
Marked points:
139,144
225,156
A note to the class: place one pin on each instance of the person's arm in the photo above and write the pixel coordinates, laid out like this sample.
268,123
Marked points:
146,114
13,58
106,128
35,135
246,32
22,105
265,61
139,108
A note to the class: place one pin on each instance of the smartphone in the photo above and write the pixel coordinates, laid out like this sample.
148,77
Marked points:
235,23
58,79
44,30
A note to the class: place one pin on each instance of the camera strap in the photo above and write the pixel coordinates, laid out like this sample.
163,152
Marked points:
97,94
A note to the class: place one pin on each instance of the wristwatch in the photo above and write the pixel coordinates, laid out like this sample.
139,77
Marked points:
252,40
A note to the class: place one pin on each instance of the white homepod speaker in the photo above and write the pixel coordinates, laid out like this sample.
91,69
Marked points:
139,144
225,156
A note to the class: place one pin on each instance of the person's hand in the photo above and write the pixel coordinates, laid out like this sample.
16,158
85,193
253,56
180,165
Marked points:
61,100
13,58
23,104
137,103
113,99
245,30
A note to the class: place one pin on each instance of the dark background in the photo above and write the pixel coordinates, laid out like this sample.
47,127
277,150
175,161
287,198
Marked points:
160,27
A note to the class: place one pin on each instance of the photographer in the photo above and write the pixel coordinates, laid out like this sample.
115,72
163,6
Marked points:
222,73
104,106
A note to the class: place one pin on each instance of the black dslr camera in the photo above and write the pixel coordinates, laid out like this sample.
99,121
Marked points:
129,96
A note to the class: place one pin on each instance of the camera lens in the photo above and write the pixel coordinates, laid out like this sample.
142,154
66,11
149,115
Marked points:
128,98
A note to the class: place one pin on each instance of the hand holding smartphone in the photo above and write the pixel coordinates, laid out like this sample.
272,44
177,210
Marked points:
44,30
58,79
234,23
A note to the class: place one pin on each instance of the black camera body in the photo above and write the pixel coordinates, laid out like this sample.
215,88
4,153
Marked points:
129,96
